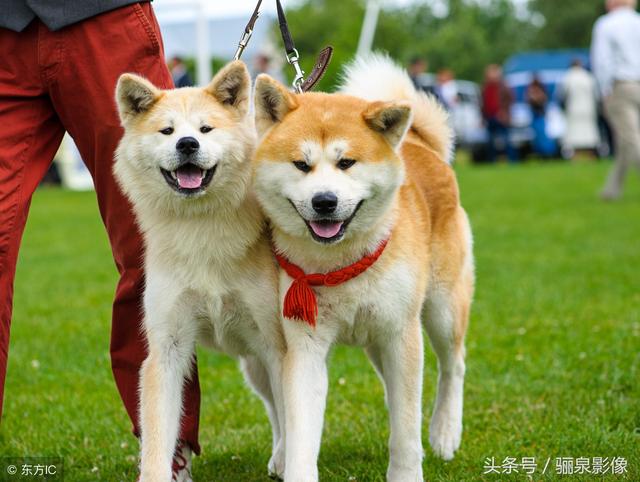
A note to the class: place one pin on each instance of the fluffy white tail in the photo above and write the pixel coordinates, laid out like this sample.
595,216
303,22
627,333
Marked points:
378,77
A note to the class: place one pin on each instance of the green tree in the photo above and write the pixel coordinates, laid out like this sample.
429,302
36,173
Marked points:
566,23
317,23
471,36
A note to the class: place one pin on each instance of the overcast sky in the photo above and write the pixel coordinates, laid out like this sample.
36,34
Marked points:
179,9
242,7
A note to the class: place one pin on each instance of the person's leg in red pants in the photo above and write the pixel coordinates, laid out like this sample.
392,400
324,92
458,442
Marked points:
65,80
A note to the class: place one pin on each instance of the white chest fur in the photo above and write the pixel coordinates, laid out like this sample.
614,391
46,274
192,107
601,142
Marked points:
206,275
367,307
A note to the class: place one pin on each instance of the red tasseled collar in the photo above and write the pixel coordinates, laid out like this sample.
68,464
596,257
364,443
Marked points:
300,301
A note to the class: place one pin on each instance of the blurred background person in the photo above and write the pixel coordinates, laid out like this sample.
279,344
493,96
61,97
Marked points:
446,88
537,98
497,100
179,72
417,68
615,54
579,94
263,64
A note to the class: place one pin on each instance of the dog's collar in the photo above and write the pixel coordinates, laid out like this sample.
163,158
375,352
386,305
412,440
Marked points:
300,301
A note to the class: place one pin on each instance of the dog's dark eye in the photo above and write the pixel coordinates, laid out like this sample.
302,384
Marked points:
205,129
345,164
167,131
302,166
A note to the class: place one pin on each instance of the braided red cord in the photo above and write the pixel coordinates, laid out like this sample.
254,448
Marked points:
300,301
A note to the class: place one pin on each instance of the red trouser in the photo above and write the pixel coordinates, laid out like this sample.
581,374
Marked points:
65,80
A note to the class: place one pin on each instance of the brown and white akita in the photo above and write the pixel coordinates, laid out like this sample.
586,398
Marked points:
185,163
369,232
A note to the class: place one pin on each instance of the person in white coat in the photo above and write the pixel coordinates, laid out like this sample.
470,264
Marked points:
580,95
616,64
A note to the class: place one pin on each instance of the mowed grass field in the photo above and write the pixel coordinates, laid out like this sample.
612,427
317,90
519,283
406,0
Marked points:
553,361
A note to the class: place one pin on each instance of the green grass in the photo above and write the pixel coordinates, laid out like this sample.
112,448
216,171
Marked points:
553,365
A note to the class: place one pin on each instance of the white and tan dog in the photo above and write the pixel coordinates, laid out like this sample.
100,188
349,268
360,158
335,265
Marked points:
185,163
339,177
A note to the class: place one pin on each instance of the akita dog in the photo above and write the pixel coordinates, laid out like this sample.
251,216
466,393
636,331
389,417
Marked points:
185,164
368,230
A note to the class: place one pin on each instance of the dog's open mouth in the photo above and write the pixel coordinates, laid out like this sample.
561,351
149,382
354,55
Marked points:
330,230
189,178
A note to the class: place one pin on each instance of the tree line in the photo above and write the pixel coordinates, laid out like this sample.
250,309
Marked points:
473,34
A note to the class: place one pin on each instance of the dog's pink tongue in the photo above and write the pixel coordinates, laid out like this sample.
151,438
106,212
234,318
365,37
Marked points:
325,230
189,176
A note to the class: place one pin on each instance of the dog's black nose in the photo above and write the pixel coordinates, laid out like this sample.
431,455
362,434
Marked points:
187,145
324,202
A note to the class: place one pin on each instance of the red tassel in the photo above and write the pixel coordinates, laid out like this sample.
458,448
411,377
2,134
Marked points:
300,302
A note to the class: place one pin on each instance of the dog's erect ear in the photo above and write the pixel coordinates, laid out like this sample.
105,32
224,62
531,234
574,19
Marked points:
273,102
231,87
135,95
391,119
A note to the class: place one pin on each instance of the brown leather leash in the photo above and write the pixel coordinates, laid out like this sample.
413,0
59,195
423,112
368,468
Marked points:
293,57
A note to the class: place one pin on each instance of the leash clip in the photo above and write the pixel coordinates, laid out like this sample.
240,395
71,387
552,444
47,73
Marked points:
293,58
244,41
248,31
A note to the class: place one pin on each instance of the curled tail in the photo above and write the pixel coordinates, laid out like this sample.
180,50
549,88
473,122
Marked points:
378,77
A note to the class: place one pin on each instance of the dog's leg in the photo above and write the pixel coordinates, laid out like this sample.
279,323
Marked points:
399,360
274,367
447,314
305,392
258,377
171,349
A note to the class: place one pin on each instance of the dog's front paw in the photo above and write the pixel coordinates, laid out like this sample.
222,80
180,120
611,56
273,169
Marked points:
404,474
276,462
445,434
306,474
155,476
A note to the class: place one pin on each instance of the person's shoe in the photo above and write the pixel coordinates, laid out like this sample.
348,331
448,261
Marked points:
181,466
609,196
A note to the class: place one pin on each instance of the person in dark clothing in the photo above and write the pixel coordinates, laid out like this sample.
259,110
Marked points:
497,99
417,68
179,73
538,99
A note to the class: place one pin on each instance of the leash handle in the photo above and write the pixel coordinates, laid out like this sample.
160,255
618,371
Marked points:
248,31
319,69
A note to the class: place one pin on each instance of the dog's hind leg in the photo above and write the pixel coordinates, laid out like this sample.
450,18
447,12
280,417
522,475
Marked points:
258,378
447,313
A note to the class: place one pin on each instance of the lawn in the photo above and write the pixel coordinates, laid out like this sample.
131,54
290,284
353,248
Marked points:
553,363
